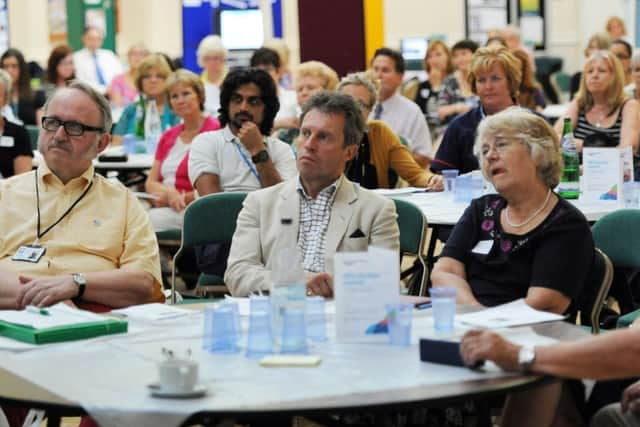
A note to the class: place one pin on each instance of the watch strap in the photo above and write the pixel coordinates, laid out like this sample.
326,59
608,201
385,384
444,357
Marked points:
81,283
526,357
260,156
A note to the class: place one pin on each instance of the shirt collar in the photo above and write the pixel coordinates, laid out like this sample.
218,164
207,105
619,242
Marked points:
331,189
47,176
227,134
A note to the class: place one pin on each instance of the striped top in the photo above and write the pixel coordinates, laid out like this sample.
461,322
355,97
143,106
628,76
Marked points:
584,128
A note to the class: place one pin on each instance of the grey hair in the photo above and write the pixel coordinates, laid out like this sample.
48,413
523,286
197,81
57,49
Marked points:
328,102
210,44
363,79
531,130
5,80
99,99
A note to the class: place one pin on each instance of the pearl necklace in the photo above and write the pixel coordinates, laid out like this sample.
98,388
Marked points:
533,215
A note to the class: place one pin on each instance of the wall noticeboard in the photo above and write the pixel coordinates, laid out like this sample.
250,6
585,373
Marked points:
532,23
482,16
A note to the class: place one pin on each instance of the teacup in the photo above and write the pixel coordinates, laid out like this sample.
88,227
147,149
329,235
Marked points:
177,375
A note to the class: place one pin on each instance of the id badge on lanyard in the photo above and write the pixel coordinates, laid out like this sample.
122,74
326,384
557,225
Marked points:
29,253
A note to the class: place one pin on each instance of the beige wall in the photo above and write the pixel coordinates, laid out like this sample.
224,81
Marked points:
416,18
159,27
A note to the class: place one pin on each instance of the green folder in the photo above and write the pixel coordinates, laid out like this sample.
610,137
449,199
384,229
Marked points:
73,332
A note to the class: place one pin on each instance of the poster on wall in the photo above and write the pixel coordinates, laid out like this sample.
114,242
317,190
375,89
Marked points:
4,26
57,21
484,16
532,25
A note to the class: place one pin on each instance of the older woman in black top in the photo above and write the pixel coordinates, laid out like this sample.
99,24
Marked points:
524,242
15,146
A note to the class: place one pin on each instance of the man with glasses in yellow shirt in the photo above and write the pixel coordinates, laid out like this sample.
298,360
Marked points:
67,233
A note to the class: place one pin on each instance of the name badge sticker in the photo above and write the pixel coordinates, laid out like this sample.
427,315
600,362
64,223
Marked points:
483,247
29,253
6,141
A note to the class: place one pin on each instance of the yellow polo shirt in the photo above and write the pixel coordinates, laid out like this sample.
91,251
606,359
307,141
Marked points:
108,229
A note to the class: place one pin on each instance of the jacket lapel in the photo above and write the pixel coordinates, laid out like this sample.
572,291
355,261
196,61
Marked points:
340,215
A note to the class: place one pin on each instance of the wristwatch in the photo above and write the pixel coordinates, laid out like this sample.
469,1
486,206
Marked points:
261,156
526,357
81,283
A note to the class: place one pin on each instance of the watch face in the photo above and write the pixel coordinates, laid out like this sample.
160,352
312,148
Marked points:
261,156
79,279
526,357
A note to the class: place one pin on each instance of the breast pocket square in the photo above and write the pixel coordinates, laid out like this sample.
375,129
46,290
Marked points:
356,234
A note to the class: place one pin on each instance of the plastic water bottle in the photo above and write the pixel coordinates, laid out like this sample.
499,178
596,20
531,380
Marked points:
153,127
288,289
569,187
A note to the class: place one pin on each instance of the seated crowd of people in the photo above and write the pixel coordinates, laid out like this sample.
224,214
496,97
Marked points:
312,154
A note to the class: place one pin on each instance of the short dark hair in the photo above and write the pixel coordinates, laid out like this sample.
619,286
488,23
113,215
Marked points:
265,56
626,45
330,102
395,55
465,44
268,95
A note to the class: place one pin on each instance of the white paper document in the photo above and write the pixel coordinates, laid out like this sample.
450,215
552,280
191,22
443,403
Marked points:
57,315
604,171
153,311
364,283
516,313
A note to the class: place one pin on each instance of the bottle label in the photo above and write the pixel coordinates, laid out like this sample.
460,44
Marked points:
568,145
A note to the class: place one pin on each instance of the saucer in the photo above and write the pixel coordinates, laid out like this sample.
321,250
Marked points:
198,391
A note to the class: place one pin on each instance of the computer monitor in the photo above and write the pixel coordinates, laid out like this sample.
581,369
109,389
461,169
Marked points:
414,48
241,29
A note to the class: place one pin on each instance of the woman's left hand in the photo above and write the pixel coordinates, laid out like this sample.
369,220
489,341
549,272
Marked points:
436,183
177,201
160,200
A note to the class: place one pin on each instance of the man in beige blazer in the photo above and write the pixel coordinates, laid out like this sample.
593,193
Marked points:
328,213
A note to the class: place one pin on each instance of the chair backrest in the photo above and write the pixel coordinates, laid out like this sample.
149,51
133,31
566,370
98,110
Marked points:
413,235
34,131
211,219
208,219
617,234
596,291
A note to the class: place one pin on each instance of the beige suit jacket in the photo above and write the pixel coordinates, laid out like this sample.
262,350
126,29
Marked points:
259,233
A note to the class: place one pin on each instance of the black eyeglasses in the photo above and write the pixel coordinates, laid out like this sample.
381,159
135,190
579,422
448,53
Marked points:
71,128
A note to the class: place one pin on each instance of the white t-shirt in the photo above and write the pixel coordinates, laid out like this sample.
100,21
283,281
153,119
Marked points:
288,104
85,66
172,161
221,153
406,119
211,99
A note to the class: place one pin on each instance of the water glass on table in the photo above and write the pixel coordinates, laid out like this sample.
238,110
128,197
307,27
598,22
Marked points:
260,336
449,176
316,318
630,194
220,330
463,192
443,302
294,332
399,316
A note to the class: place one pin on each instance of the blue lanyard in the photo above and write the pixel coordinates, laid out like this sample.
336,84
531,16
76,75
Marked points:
246,160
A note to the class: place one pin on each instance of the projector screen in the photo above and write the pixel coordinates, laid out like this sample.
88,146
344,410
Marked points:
241,29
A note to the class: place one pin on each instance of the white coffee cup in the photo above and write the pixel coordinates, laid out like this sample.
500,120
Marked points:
177,375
